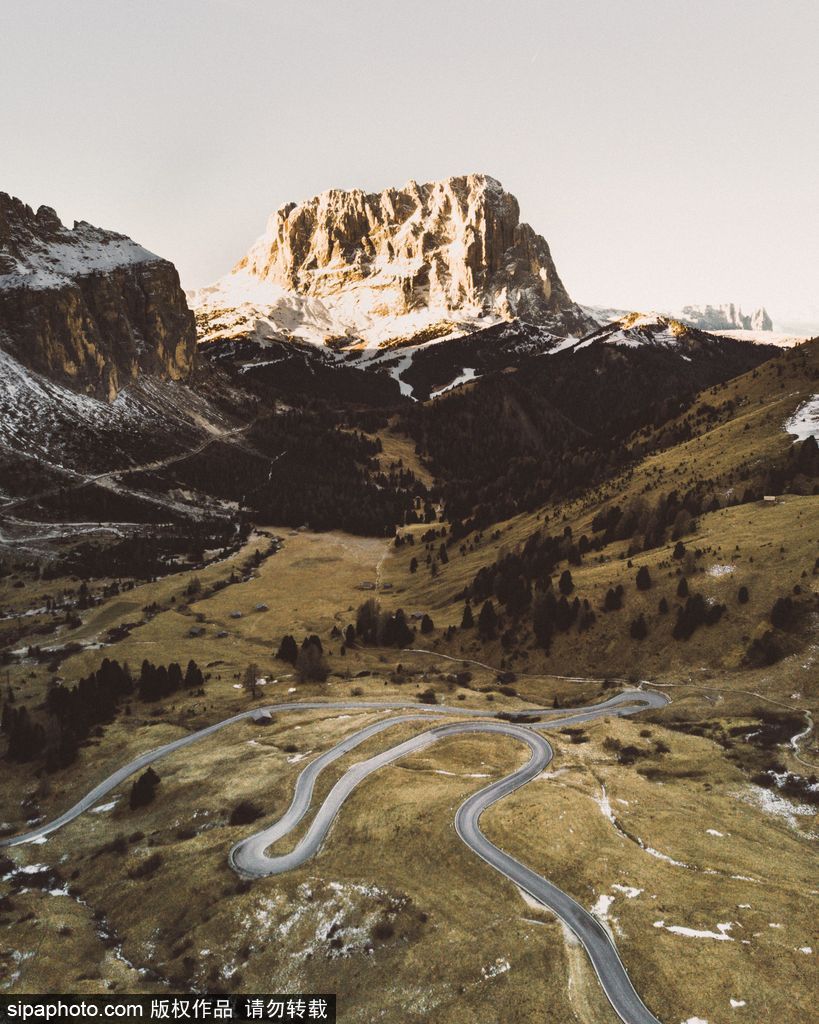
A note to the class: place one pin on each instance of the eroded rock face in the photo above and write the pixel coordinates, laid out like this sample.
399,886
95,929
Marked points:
726,317
449,244
353,268
87,307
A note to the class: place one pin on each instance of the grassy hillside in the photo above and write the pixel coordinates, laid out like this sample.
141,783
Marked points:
663,824
734,446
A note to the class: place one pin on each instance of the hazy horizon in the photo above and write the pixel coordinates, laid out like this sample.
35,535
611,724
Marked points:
666,153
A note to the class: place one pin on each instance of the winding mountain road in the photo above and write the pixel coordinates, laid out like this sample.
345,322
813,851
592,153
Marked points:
249,857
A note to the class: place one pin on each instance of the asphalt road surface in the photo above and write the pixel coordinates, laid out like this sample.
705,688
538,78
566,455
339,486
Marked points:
249,857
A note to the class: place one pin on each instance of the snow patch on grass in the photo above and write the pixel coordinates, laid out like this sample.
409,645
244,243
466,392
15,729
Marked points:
805,421
773,804
720,935
104,808
500,966
628,890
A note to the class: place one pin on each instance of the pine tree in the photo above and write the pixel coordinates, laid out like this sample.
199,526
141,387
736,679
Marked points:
249,680
487,621
566,584
143,790
311,663
638,628
288,650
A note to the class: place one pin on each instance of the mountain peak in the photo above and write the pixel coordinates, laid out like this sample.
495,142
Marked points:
728,316
88,307
374,266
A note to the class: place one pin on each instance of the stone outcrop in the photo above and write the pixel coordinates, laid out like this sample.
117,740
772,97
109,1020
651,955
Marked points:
87,307
727,317
449,244
386,265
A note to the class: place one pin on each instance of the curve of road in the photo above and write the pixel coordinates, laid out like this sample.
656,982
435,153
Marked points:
249,857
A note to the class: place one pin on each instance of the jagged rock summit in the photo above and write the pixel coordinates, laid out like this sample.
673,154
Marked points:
726,317
356,269
87,307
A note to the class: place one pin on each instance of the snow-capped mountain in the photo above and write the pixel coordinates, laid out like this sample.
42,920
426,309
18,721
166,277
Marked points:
708,318
656,330
636,330
88,307
726,317
356,271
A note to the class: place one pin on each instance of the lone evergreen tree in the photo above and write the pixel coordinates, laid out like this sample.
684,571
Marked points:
288,651
638,628
487,621
249,679
143,790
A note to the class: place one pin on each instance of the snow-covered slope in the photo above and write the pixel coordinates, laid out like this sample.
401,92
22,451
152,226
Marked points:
727,320
636,330
358,271
805,421
38,251
62,429
88,307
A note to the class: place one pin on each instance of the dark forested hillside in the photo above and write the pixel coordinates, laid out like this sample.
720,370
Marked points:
559,422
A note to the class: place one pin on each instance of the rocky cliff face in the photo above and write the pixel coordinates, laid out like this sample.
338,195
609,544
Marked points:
726,317
87,307
386,265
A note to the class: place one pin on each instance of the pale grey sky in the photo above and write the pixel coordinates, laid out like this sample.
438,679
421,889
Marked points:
667,149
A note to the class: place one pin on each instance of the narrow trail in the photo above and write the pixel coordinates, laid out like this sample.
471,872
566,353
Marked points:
111,477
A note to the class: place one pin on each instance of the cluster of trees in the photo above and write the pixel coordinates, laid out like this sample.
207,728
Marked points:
647,526
547,436
373,625
521,582
73,713
308,466
797,472
309,659
785,616
151,554
694,613
382,628
156,682
26,738
552,615
513,576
